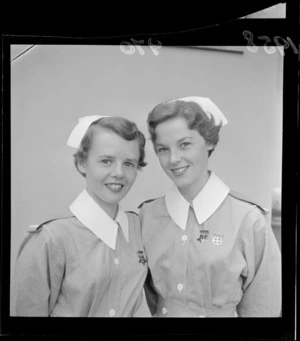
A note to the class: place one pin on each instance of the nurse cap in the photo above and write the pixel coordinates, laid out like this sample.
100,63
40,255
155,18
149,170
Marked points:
80,129
208,106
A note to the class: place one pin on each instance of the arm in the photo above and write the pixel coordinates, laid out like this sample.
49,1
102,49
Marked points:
262,276
150,293
38,275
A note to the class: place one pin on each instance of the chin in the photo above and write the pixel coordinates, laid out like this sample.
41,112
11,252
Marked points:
185,186
181,182
115,199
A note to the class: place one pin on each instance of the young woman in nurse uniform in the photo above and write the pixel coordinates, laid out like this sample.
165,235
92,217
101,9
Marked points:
91,264
210,252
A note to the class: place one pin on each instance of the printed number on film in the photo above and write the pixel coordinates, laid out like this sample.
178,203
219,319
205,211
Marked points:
130,48
279,41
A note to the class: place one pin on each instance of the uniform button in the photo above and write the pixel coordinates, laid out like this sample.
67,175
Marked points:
179,286
164,311
116,260
112,312
184,237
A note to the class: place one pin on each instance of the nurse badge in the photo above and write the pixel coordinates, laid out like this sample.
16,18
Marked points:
203,236
141,257
217,240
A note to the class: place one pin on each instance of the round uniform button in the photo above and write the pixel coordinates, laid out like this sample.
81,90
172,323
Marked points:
112,312
164,311
179,286
116,260
184,237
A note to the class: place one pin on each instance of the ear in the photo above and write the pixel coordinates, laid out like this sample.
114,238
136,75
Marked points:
81,167
210,146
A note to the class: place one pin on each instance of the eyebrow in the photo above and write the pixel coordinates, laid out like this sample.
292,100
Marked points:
105,156
183,138
180,140
132,160
113,157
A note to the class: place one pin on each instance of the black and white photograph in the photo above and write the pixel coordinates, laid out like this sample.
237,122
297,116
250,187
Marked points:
146,179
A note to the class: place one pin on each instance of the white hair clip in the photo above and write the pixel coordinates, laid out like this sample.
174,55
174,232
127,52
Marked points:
208,106
80,129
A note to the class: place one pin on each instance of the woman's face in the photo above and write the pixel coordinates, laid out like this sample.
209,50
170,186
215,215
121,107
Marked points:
111,167
183,155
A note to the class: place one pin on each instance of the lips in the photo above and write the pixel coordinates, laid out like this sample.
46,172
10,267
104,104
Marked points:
114,187
179,171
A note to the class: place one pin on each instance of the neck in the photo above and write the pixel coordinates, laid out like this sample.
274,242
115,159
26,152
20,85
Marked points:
190,193
110,209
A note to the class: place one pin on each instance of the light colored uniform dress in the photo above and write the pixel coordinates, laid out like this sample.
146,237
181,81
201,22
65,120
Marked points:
217,257
87,265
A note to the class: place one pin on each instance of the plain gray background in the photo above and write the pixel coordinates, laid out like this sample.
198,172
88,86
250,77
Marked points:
54,85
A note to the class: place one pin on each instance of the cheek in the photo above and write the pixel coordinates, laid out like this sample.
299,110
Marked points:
163,160
97,173
131,175
201,158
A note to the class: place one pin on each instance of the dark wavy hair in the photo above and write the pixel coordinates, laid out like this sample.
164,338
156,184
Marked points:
194,115
128,130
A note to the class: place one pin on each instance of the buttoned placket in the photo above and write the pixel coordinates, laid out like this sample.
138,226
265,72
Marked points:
113,302
164,311
182,286
184,238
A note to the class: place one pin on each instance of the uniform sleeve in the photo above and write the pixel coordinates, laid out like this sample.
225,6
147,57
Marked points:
262,275
138,234
150,293
37,276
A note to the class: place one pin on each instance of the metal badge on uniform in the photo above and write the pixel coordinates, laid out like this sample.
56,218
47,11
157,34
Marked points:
142,258
217,239
203,236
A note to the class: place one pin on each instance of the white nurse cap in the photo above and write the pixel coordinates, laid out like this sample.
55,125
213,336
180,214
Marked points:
80,129
208,106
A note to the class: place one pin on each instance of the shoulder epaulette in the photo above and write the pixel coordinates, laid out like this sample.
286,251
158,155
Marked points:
242,198
34,229
131,212
145,202
38,228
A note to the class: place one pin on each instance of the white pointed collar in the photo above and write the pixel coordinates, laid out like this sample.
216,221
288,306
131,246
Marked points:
90,214
205,204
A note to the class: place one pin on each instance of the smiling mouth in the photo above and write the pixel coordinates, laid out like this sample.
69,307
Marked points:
179,171
114,187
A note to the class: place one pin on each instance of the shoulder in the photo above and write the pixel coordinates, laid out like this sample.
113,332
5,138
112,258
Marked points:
153,211
133,218
41,235
55,230
151,202
253,217
51,225
131,213
247,203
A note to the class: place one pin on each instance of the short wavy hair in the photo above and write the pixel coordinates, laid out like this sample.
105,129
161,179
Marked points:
128,130
194,115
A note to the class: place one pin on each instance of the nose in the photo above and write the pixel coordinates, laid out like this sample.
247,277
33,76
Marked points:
117,171
175,156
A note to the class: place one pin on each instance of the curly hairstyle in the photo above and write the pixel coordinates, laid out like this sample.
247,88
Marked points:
194,115
128,130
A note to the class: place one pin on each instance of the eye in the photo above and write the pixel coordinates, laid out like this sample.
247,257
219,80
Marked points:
161,149
106,161
129,164
185,144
